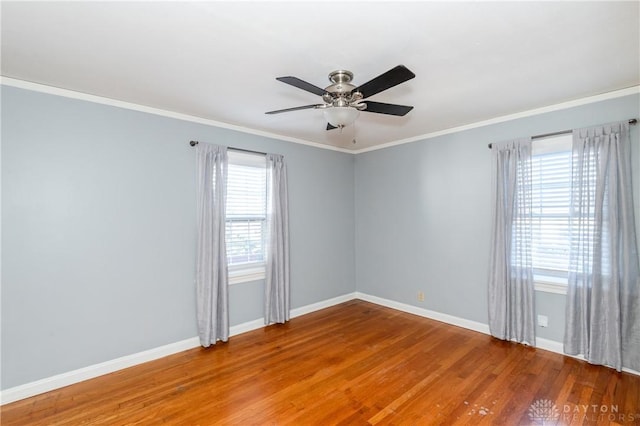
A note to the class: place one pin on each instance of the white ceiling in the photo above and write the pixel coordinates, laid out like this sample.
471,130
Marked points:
473,61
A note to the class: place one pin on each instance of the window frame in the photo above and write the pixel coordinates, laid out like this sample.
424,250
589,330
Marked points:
248,271
552,283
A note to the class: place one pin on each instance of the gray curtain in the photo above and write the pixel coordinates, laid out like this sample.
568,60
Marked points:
603,301
276,298
510,290
212,297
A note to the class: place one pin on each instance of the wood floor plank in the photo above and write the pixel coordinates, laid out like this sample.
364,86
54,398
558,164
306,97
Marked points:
354,363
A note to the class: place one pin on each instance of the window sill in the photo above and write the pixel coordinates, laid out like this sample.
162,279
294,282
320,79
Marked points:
549,287
245,275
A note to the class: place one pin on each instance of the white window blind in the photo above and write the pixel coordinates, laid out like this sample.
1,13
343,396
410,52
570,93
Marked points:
246,209
551,198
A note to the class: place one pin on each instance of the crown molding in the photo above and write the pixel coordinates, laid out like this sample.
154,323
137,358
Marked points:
529,113
22,84
51,90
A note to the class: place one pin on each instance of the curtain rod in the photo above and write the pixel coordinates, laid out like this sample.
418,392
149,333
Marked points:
194,143
564,132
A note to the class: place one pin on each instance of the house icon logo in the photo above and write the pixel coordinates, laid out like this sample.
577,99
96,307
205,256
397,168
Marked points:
543,410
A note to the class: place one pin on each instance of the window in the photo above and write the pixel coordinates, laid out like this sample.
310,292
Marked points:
551,198
246,216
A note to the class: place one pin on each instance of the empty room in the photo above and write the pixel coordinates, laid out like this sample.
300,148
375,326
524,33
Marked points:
319,213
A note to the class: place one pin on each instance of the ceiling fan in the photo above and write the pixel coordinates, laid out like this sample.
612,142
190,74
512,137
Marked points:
343,101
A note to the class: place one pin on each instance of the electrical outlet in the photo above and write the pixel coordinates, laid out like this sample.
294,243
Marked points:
543,321
420,296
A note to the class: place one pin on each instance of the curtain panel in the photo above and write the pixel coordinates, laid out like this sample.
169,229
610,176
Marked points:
276,298
511,290
603,294
212,298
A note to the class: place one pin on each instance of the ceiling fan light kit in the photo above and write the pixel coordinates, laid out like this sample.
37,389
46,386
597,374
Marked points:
343,101
341,116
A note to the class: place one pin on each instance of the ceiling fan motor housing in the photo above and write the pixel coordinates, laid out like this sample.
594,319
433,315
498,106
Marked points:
341,92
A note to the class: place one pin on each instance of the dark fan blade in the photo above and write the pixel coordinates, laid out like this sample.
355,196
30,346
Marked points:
382,108
331,126
294,109
391,78
301,84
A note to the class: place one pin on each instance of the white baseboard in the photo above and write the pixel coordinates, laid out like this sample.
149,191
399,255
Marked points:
65,379
541,343
321,305
550,345
558,347
438,316
259,323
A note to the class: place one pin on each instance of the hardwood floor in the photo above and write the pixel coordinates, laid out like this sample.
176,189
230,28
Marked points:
351,364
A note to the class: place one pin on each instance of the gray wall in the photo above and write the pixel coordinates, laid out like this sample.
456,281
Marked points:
98,231
423,213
